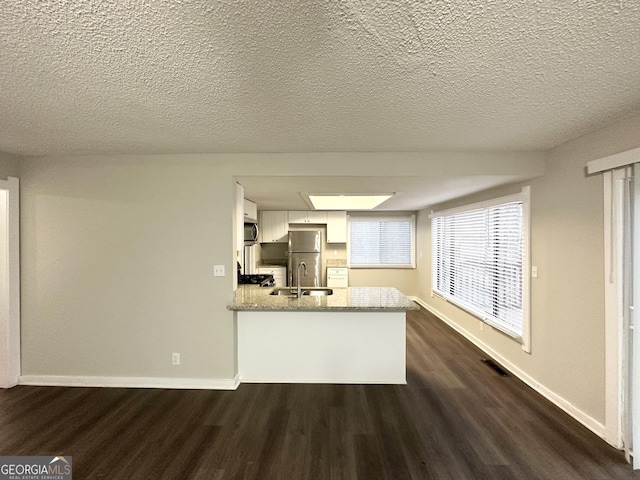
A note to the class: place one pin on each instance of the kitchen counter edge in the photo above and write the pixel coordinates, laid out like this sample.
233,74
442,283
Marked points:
373,299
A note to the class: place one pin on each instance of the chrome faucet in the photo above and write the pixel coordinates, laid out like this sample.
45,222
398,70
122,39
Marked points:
301,264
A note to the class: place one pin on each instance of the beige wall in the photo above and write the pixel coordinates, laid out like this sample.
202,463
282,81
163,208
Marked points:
118,253
8,165
117,267
567,313
404,279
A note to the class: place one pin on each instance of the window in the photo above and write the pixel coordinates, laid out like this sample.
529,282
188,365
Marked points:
382,242
480,261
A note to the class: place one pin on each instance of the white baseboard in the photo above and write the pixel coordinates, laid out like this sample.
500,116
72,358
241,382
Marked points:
340,381
7,382
586,420
131,382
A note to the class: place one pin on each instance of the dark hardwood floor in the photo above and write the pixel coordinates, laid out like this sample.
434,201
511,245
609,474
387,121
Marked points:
455,419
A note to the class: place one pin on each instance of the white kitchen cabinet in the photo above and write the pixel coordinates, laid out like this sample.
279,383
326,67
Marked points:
297,217
337,277
308,216
250,210
279,274
315,216
336,226
274,226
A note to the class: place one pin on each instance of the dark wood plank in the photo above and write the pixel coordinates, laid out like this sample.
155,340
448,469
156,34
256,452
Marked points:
455,419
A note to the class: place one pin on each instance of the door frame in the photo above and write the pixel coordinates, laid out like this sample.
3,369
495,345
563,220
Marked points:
613,283
10,315
634,318
622,401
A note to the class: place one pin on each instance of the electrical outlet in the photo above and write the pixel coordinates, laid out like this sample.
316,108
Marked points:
218,270
175,358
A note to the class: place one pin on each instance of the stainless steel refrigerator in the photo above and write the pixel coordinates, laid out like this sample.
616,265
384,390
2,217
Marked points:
305,247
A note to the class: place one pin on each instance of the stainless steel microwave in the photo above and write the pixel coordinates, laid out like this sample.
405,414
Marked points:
250,233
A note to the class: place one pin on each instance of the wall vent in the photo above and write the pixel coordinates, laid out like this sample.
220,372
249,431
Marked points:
495,367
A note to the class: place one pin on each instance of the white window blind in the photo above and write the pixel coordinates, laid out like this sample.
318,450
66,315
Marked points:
478,258
381,242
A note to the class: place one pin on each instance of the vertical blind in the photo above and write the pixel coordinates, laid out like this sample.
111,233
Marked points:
381,242
477,258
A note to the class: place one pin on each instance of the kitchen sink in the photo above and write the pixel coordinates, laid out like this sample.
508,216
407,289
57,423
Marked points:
317,292
283,292
292,292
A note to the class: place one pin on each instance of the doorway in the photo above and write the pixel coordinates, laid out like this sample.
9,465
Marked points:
9,283
630,298
622,341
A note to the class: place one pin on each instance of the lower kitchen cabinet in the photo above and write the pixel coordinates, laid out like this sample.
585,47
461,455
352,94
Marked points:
337,277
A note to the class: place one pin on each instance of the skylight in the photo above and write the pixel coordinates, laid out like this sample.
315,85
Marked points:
346,201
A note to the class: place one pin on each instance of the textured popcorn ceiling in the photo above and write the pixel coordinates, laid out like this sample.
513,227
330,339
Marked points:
124,76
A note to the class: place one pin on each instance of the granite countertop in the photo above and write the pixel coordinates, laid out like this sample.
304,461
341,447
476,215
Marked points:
252,297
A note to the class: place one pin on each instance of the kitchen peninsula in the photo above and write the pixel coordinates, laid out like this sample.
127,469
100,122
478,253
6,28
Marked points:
354,335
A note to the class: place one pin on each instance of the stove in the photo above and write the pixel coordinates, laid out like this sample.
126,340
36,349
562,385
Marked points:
264,280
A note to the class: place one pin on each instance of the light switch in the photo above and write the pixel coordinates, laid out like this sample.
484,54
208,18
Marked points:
534,272
218,270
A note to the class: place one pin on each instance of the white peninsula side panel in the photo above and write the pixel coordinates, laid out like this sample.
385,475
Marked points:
322,347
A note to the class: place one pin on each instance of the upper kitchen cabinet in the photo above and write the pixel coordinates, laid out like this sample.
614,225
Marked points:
336,226
309,216
274,226
250,211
